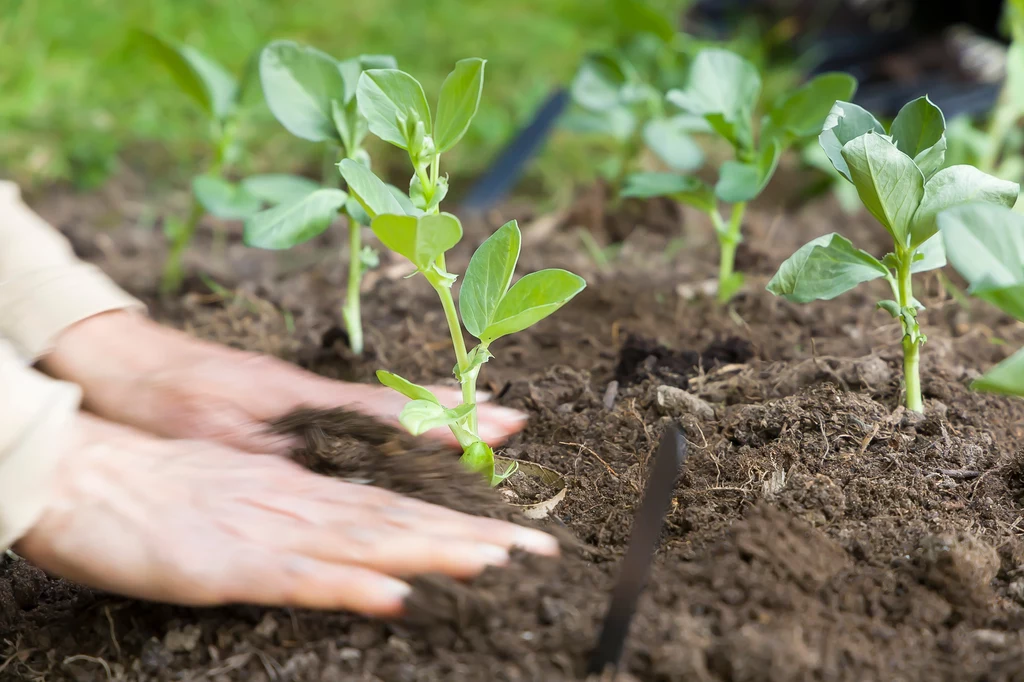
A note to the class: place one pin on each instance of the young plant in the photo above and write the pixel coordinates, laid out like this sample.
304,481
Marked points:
218,94
998,146
490,306
985,244
900,178
723,90
314,97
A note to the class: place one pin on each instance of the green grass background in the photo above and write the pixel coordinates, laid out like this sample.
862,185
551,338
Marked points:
74,102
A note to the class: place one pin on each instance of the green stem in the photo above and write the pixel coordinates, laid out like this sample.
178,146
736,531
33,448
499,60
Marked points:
999,127
466,378
911,337
350,310
729,238
173,274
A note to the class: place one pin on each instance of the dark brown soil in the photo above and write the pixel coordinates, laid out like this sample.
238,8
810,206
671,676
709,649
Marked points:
819,533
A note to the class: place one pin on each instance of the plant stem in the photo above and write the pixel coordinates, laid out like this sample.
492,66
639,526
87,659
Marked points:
911,336
729,238
350,310
999,127
173,274
451,316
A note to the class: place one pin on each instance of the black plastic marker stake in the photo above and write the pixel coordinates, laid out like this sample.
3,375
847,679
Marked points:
636,565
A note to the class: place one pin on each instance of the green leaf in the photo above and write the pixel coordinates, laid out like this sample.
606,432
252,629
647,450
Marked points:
670,143
198,76
369,190
891,307
598,83
845,123
530,300
823,269
390,100
279,188
224,199
929,256
300,83
637,16
420,239
479,458
488,278
618,123
1006,378
350,124
723,88
739,181
284,226
685,189
420,416
919,132
985,243
955,186
406,387
888,181
352,68
458,102
802,113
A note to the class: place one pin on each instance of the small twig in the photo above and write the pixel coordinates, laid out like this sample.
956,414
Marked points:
961,474
91,659
597,456
113,632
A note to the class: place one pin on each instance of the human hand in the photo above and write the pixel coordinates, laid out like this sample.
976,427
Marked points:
199,524
136,372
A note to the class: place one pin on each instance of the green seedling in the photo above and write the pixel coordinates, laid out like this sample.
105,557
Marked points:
900,179
490,306
618,97
723,90
313,96
996,147
985,244
218,94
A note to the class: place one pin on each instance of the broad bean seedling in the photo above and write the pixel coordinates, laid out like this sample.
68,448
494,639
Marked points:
490,306
985,243
900,178
313,96
723,91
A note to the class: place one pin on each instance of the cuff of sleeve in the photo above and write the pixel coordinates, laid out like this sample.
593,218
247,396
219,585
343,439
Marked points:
42,304
28,464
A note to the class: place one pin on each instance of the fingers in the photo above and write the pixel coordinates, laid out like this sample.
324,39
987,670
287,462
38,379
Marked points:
293,580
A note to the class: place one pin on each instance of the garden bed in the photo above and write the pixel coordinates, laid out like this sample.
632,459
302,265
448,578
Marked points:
818,532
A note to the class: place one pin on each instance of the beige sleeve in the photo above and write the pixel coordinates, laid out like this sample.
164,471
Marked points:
36,416
44,289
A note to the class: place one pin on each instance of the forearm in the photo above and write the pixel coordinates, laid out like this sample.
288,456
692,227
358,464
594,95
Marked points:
44,288
37,415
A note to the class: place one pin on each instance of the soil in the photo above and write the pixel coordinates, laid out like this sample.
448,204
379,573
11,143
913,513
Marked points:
818,532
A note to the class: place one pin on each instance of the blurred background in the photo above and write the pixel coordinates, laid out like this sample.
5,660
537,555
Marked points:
78,101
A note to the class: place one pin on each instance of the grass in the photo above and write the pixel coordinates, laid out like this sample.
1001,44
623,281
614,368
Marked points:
74,100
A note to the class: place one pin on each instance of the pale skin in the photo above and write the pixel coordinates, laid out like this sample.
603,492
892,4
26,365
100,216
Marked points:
173,489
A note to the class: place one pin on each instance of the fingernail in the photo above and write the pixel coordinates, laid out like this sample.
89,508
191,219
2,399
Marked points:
536,542
484,396
492,555
396,589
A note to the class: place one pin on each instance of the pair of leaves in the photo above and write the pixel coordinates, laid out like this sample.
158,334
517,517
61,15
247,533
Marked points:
802,113
208,83
737,181
237,201
831,265
985,244
393,102
918,132
723,88
312,94
425,412
898,176
491,307
375,197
